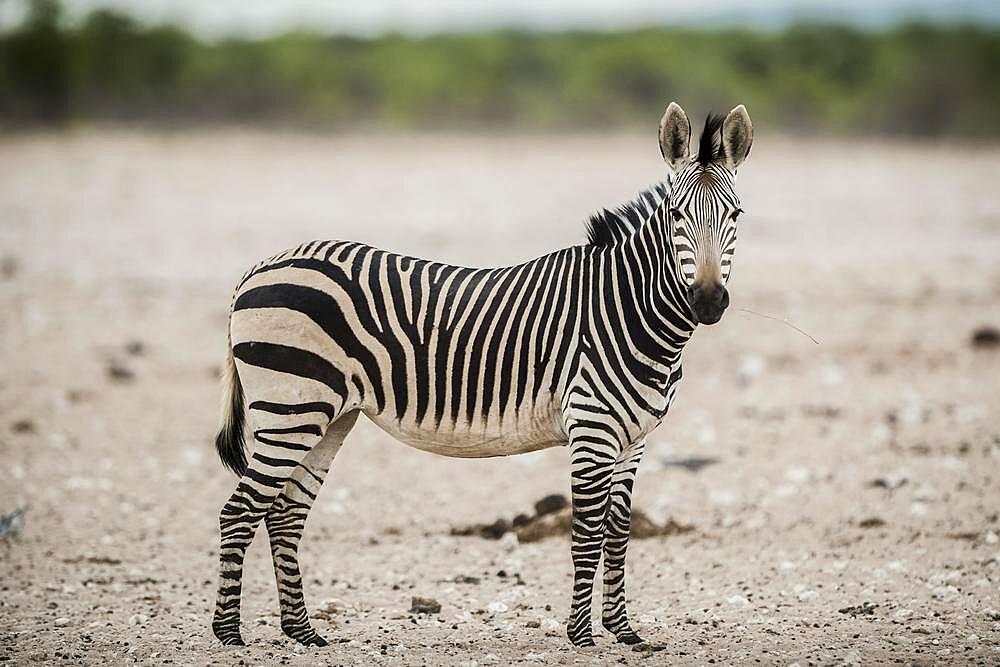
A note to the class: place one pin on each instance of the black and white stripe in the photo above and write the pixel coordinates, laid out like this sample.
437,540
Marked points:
579,347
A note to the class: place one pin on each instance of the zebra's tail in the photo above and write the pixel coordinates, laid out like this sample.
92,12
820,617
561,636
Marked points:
229,441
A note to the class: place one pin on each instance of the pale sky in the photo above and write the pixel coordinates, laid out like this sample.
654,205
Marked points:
261,17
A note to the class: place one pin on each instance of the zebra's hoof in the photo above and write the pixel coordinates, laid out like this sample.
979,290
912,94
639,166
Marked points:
630,638
228,635
582,640
230,639
315,640
303,634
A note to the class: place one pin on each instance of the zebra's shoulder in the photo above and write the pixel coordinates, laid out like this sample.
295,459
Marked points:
609,227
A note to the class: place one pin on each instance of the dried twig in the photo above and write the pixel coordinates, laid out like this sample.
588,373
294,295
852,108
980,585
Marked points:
784,321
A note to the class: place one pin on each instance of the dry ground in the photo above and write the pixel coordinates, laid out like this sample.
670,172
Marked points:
119,251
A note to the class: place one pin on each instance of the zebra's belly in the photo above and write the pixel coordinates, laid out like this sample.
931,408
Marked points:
475,441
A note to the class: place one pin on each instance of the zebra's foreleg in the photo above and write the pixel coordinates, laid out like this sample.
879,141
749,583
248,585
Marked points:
285,523
616,534
277,453
593,461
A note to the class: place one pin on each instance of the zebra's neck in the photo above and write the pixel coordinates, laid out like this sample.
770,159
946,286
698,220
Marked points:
653,308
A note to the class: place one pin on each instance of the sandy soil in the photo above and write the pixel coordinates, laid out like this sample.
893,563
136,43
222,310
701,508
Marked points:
851,516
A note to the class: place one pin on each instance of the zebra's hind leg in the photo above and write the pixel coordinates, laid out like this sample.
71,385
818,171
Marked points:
285,522
592,463
616,534
278,451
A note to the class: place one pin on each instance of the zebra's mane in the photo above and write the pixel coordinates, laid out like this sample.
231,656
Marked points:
710,147
608,228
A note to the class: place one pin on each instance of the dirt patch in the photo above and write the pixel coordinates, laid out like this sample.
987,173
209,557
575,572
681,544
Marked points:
553,518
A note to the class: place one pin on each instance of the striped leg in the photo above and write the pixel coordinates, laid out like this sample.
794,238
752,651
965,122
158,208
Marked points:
592,458
285,522
616,533
277,453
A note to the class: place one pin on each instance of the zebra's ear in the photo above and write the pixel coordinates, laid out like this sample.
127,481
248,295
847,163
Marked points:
675,137
737,135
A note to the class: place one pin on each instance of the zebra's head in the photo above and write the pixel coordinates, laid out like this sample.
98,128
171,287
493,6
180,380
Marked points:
703,206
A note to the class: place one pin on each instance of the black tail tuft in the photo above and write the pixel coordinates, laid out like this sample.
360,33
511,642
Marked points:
229,441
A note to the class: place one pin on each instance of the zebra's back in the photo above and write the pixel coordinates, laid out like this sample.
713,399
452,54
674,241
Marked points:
455,360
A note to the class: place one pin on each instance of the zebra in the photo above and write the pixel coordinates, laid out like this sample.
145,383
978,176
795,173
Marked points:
580,347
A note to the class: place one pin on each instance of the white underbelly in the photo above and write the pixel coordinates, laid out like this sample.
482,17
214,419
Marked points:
475,442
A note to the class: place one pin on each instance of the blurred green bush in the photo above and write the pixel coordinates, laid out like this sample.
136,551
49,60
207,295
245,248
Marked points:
916,80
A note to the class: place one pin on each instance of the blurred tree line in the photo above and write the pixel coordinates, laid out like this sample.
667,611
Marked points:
916,80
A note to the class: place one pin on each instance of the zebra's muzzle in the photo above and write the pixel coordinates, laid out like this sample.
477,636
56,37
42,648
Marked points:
708,303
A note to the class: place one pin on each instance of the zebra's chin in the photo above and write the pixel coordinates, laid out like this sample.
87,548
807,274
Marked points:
708,317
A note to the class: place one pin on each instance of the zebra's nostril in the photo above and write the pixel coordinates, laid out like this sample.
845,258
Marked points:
724,299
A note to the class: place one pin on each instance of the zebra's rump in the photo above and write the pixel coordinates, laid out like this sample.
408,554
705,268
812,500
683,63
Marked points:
460,361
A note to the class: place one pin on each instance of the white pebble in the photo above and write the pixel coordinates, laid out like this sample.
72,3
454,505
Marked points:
831,375
797,474
806,596
61,622
509,541
551,626
749,368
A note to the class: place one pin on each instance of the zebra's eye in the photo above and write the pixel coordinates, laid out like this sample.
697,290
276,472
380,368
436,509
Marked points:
675,215
736,214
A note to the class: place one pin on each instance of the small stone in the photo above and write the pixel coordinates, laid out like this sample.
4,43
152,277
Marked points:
871,522
807,596
749,368
533,624
135,348
419,605
330,606
9,266
863,609
551,626
61,622
119,372
23,426
889,482
137,619
986,337
509,541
